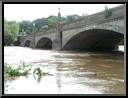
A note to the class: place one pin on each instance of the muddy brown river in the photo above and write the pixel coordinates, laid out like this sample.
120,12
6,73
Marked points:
70,72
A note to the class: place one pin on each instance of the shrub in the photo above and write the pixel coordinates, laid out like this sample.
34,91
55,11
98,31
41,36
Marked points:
10,72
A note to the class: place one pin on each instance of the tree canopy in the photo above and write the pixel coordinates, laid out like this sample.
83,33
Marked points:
11,30
43,23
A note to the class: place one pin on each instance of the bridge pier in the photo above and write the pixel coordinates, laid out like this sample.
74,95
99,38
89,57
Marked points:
56,45
31,45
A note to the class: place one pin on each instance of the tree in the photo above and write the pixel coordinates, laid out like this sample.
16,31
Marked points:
43,23
107,12
39,23
52,20
26,26
71,18
11,30
44,27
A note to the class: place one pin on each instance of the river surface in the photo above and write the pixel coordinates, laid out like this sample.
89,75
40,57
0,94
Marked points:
70,72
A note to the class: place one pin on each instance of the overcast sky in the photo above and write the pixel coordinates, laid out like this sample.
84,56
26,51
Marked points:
19,12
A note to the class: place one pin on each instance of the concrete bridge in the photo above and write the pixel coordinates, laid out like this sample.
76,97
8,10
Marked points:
93,32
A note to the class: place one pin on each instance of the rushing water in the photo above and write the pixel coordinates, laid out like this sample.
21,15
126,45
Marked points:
71,72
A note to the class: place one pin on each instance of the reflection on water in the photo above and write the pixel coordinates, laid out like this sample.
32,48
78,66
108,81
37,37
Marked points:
69,72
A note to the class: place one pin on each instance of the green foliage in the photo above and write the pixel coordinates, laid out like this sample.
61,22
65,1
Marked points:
52,20
26,26
71,18
43,23
37,73
44,27
40,23
11,30
10,72
107,12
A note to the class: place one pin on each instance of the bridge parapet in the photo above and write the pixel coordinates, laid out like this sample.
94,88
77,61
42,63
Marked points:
98,18
107,27
48,31
27,37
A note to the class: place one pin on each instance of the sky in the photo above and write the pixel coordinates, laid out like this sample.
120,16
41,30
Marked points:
20,12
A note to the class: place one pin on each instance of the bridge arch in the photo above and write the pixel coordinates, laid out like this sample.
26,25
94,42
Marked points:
44,43
95,39
27,43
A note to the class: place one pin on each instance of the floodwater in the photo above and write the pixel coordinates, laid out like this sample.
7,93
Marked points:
70,72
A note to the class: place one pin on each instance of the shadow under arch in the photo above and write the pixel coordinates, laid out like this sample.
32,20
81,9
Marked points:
27,43
44,43
94,39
